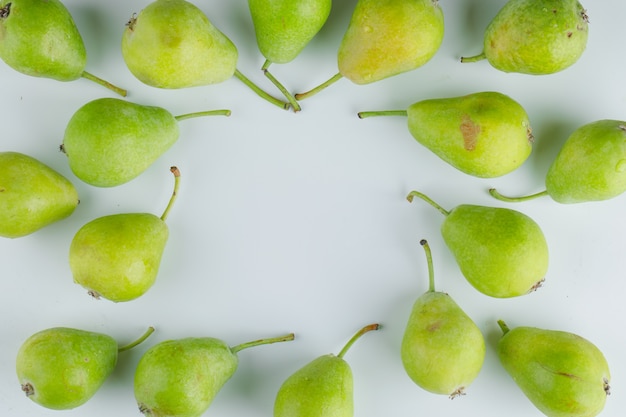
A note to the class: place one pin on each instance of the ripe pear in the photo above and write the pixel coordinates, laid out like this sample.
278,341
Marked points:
173,44
109,141
501,252
117,257
386,38
561,373
61,368
32,195
442,349
535,36
180,378
485,134
40,38
323,387
591,166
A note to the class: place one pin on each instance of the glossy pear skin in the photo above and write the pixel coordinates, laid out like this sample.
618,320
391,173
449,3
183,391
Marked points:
181,377
61,368
118,256
563,374
388,37
284,27
32,195
442,349
110,141
536,36
591,165
484,134
39,38
172,44
501,252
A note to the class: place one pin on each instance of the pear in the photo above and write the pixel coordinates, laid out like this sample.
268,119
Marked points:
40,38
385,38
32,195
117,257
109,141
561,373
62,368
442,349
323,387
172,44
485,134
535,37
283,28
591,166
501,252
180,378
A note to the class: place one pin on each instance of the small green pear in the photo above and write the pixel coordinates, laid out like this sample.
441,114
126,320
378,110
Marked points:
386,38
591,166
323,387
117,257
109,141
442,349
485,134
561,373
180,378
501,252
32,195
39,38
62,368
535,36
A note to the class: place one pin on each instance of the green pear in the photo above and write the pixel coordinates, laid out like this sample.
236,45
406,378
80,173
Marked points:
172,44
180,378
591,166
386,38
109,141
561,373
32,195
117,257
442,349
40,38
62,368
485,134
501,252
535,36
323,387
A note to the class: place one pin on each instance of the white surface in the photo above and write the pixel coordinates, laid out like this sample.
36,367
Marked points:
298,222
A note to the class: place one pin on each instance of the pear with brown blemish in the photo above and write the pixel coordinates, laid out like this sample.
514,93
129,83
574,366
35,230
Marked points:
484,134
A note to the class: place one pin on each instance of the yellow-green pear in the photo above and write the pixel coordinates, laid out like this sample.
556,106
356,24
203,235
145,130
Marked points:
561,373
442,349
386,38
591,166
501,252
32,195
40,38
535,36
180,378
485,134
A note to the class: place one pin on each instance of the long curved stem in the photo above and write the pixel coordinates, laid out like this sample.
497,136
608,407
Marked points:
259,342
495,194
474,58
358,334
104,83
322,86
503,326
292,100
427,199
365,114
138,341
429,262
260,92
223,112
176,172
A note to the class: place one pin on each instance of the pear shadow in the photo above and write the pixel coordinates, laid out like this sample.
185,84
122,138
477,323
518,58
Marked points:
95,33
477,15
549,139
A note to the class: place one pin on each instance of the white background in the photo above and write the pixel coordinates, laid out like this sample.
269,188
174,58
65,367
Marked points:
298,222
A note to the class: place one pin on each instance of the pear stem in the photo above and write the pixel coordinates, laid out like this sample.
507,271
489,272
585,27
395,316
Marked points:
357,335
202,114
176,172
104,83
427,199
474,58
313,91
262,93
259,342
292,100
494,193
138,341
503,326
365,114
429,261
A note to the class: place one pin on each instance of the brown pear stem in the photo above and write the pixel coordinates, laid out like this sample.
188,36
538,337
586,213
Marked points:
474,58
322,86
260,92
429,262
104,83
176,172
357,335
503,326
427,199
292,100
138,341
495,194
365,114
223,112
259,342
